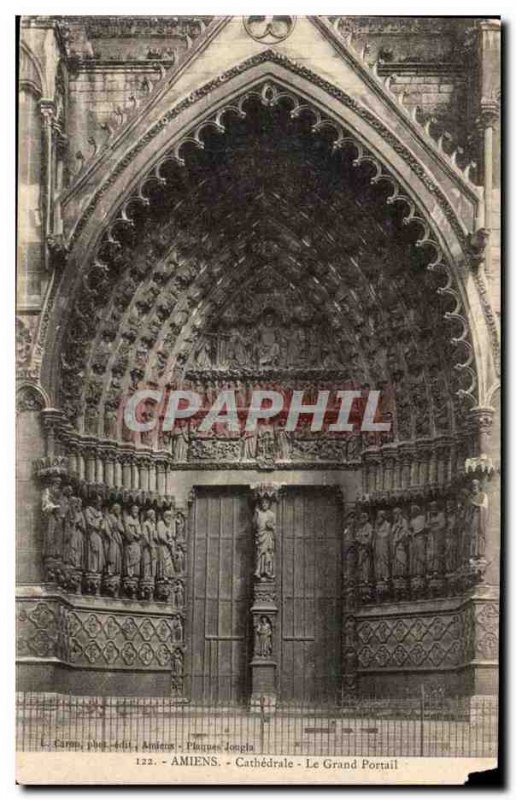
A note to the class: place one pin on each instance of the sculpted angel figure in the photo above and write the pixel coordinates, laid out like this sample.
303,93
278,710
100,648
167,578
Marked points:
265,533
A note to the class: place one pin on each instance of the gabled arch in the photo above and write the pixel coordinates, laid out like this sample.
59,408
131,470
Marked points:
442,229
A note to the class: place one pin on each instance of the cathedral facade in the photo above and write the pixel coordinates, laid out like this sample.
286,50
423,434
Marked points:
281,204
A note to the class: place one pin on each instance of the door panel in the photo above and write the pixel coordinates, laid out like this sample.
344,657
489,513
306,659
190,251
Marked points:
222,569
310,608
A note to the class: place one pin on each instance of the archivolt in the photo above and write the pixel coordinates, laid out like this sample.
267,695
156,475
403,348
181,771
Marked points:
270,93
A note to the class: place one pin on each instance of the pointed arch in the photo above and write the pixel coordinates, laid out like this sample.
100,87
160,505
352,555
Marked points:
427,204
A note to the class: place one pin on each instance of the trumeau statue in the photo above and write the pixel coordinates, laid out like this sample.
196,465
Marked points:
263,637
265,535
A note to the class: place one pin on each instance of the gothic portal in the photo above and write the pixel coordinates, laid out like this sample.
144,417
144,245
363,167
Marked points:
218,205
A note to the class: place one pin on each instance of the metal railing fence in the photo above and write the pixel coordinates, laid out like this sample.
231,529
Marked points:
418,726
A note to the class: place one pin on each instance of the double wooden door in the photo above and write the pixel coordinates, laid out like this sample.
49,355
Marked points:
308,636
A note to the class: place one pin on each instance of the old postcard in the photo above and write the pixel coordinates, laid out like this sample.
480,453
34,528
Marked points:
258,390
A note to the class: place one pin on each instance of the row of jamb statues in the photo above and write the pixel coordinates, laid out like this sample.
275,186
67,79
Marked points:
428,549
110,549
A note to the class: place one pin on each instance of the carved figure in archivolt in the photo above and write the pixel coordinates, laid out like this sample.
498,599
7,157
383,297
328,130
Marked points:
268,347
400,544
265,446
132,550
113,529
203,356
94,536
418,533
476,516
248,445
180,441
263,637
265,537
282,441
435,539
381,547
364,538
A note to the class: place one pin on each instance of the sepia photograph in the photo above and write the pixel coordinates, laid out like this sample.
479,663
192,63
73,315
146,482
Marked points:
258,393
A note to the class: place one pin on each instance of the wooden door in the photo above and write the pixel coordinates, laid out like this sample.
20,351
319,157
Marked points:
310,617
222,565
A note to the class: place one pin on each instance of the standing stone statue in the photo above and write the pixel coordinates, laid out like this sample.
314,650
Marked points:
113,529
165,535
63,516
381,547
50,506
400,543
265,535
149,554
476,515
364,538
263,638
74,536
436,528
451,542
132,550
417,544
94,544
